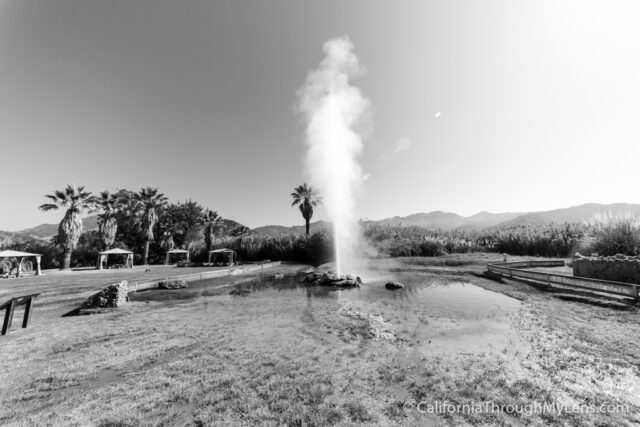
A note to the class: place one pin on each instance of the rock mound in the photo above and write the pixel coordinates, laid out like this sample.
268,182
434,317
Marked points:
331,279
111,296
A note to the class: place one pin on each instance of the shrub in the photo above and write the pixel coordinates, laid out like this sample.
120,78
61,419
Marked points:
611,235
316,249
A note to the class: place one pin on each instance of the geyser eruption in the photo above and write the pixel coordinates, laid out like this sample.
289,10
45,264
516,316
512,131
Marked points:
335,111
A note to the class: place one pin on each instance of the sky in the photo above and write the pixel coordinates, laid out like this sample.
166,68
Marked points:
475,105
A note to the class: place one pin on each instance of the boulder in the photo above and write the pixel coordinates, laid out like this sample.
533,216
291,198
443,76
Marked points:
111,296
331,279
393,285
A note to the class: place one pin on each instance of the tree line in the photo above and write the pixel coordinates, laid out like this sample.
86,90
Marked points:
143,221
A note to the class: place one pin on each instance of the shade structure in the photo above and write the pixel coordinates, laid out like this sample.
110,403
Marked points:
104,256
227,255
21,255
175,252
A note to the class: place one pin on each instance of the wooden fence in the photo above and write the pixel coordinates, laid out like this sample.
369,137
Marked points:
514,270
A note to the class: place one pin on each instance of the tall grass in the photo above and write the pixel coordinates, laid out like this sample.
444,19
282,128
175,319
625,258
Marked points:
399,241
316,249
551,240
611,235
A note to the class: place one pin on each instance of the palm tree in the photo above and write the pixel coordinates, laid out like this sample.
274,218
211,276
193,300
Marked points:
75,200
213,221
307,197
109,204
151,200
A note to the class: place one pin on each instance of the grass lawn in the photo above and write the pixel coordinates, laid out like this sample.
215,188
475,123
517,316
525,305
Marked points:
283,355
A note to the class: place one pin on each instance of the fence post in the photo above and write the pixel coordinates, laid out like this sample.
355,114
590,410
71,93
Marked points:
636,291
8,317
27,312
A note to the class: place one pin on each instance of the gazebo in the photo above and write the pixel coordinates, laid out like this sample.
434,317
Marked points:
104,255
175,251
21,256
228,255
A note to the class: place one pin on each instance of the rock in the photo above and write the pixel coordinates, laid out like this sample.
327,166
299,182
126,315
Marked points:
331,279
345,283
172,284
111,296
393,285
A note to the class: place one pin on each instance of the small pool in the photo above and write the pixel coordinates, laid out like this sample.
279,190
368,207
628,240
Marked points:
432,313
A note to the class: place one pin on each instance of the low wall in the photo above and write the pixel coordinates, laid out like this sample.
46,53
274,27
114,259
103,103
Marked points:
617,268
232,271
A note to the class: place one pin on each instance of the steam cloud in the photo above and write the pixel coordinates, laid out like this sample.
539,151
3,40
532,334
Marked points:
335,113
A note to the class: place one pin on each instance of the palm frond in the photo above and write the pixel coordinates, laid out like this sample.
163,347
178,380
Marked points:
48,207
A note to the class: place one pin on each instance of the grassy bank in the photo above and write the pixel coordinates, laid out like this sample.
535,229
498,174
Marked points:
211,358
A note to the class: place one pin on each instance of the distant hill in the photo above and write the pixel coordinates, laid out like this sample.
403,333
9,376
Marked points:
445,221
433,220
228,226
573,214
47,231
484,220
90,223
437,220
274,230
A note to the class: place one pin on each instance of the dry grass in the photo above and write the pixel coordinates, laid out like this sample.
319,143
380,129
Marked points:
217,359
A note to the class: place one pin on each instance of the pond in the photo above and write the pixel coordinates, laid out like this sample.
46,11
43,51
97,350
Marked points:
432,313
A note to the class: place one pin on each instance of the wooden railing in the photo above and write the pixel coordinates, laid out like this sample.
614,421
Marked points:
514,270
10,306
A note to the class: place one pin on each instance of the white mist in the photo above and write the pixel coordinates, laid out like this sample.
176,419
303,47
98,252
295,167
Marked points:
334,111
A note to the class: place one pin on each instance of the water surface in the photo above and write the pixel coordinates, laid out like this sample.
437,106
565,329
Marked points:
431,314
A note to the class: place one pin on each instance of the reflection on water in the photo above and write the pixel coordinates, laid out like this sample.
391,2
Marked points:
437,296
433,314
436,314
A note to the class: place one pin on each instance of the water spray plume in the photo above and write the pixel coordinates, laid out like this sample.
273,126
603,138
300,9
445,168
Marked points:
335,112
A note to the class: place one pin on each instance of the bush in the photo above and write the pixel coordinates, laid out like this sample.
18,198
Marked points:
611,235
316,249
549,240
397,241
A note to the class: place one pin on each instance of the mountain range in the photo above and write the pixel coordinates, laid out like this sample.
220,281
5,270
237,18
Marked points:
436,220
439,220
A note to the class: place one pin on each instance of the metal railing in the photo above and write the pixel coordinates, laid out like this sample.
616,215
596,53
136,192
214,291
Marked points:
514,270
